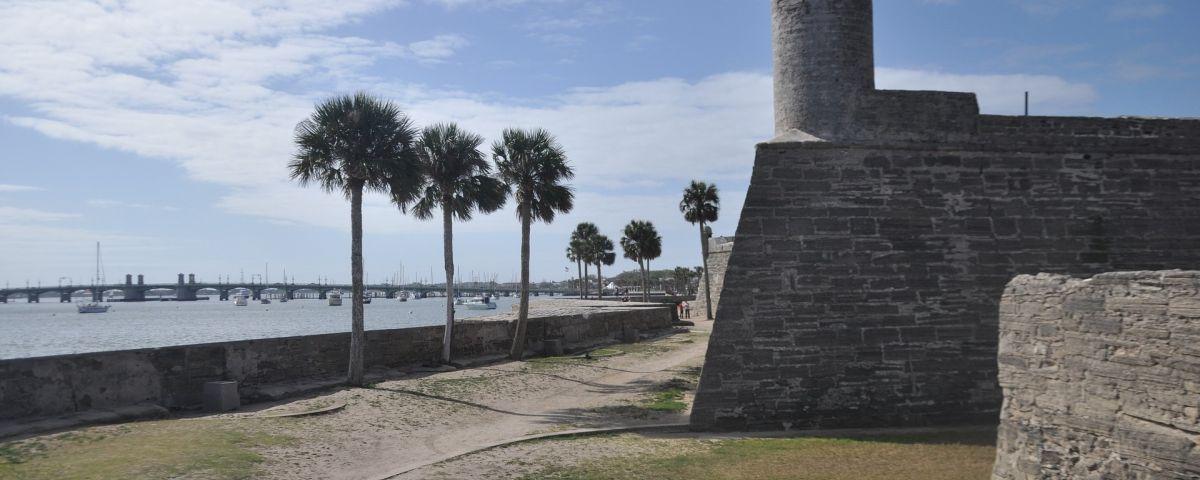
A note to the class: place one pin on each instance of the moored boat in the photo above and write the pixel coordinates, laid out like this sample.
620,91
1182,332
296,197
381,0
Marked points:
240,301
480,303
92,308
335,299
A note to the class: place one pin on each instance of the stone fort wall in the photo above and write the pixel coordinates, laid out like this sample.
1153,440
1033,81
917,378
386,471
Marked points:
863,288
719,249
174,376
1101,377
880,229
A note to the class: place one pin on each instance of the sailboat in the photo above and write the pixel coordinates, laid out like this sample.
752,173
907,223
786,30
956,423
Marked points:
95,307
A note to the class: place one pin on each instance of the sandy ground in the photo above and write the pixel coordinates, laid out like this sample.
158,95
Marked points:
416,420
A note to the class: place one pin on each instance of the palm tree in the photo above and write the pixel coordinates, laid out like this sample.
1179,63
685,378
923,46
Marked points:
533,164
579,242
641,244
700,205
683,277
456,179
600,250
350,144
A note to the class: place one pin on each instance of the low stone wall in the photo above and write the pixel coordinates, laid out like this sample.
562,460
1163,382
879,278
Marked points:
1101,377
174,376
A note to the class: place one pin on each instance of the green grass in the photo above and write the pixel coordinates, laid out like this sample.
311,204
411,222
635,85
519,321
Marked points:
946,456
160,449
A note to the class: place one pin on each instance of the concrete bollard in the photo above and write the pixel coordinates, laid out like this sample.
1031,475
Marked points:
221,396
552,347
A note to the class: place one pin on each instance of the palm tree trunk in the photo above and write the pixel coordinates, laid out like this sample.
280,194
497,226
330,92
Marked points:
646,282
579,268
708,314
448,252
357,337
642,277
586,291
599,283
518,346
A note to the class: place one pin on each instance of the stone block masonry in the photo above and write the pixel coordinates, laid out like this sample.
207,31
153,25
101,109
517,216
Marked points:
174,377
863,288
880,229
1101,377
719,249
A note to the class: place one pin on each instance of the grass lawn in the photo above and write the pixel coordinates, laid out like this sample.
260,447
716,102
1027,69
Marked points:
159,449
943,456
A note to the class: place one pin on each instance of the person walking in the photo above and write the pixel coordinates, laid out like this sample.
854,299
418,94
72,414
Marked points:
687,310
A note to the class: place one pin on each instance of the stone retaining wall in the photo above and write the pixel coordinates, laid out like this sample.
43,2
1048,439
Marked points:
1101,377
173,376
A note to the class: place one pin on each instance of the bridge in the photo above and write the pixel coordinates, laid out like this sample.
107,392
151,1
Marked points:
190,290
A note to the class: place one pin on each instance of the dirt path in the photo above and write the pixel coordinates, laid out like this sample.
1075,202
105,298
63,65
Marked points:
412,421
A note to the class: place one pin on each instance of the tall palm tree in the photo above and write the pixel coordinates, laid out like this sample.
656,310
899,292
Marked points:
456,179
579,242
600,250
641,244
573,255
700,204
682,276
350,144
535,166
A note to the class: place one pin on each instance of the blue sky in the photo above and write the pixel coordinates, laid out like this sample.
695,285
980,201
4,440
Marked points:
161,129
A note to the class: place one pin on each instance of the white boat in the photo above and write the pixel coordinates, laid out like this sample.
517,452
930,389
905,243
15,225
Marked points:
366,300
99,280
335,299
240,301
92,308
480,303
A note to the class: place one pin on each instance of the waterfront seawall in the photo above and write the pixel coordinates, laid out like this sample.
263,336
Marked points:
173,377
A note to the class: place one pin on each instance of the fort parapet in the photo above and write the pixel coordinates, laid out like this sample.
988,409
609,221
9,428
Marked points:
881,227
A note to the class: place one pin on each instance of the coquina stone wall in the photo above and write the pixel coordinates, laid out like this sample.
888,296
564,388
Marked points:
863,288
174,376
1101,377
719,249
880,229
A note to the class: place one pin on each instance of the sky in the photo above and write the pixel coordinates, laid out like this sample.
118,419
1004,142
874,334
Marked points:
162,129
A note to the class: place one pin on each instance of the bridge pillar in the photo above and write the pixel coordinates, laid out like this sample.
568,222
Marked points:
180,279
97,295
191,278
64,297
323,294
128,279
3,299
289,294
392,294
256,294
223,295
185,294
135,295
33,298
141,280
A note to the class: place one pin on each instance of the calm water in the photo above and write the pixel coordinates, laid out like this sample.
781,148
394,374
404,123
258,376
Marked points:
52,328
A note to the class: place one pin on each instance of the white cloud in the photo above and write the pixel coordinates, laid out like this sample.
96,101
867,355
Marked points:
998,94
14,215
1132,10
118,204
438,48
6,187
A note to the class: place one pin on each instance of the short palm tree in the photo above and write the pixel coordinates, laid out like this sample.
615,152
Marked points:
579,243
534,166
456,179
600,250
700,204
682,277
641,244
351,144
